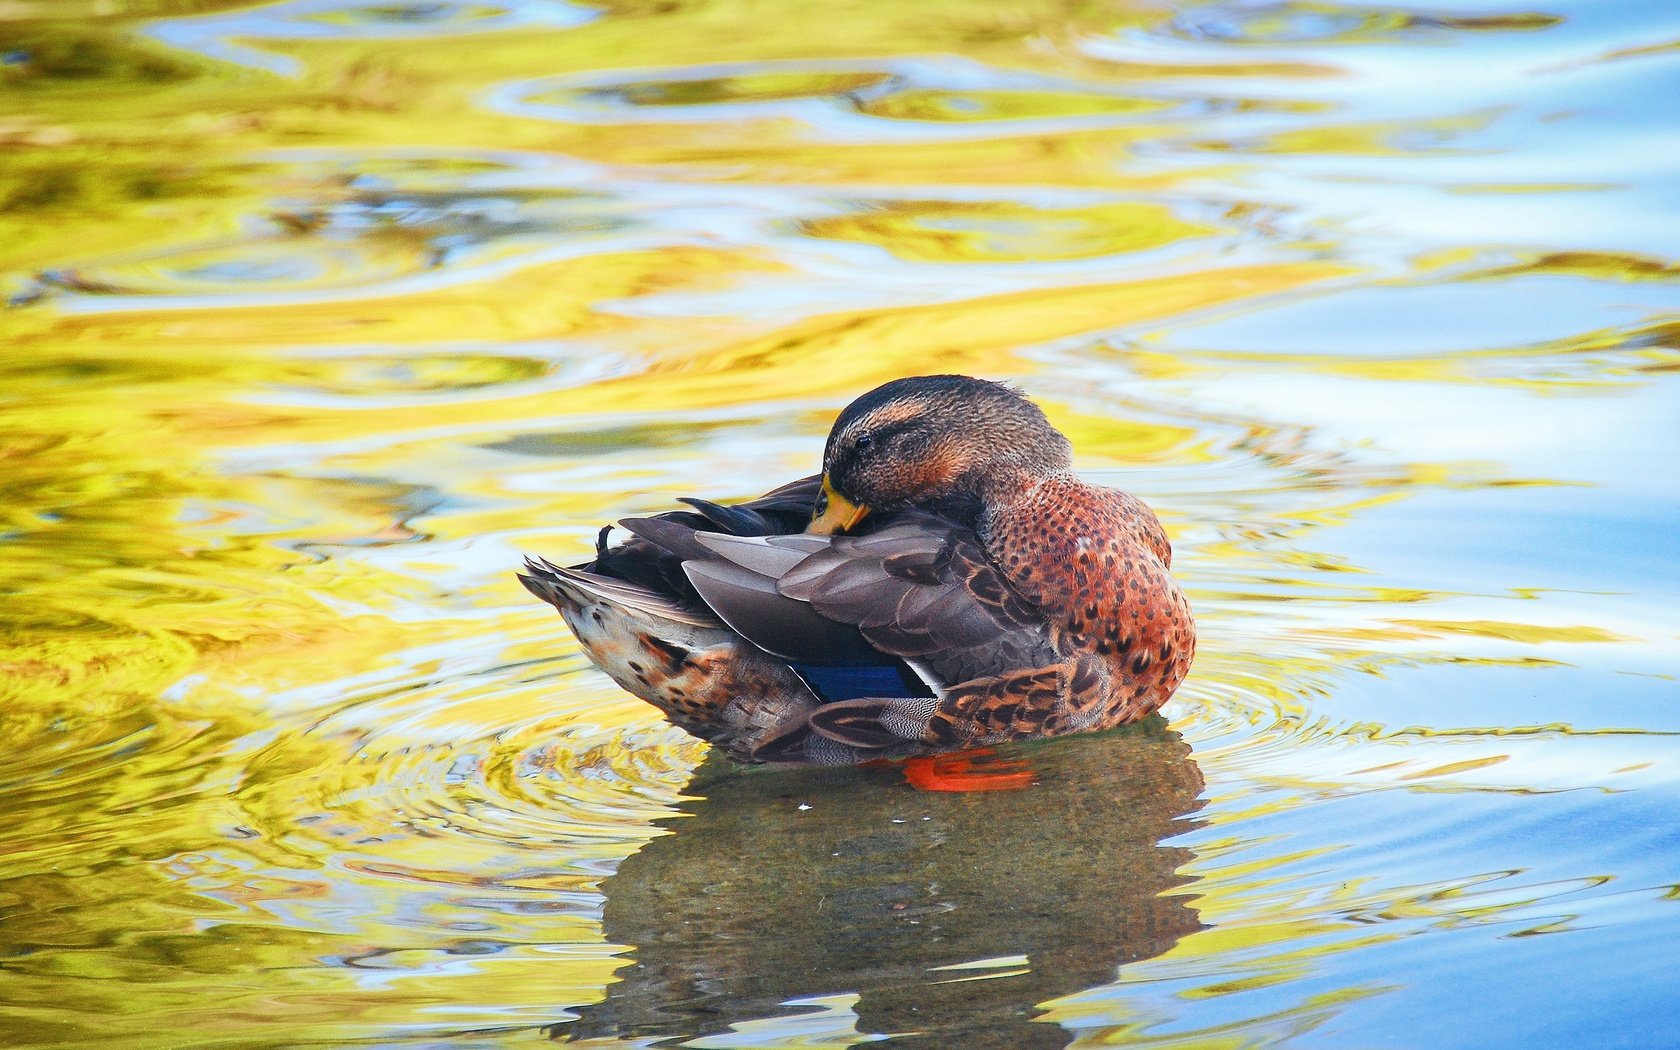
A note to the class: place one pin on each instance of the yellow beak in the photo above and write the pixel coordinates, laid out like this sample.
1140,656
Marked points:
835,513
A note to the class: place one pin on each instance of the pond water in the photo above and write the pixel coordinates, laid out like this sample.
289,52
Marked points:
324,312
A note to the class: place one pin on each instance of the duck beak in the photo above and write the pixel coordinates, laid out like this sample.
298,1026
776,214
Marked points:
835,513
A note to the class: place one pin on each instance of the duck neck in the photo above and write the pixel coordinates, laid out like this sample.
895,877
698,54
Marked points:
1003,490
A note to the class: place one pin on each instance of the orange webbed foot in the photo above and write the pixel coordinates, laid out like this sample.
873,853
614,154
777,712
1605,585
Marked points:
973,770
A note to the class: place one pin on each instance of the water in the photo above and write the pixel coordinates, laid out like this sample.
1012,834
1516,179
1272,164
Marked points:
325,312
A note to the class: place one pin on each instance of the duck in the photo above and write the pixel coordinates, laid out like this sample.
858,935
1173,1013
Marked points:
946,583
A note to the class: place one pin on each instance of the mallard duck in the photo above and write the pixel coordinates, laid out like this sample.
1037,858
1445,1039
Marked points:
946,583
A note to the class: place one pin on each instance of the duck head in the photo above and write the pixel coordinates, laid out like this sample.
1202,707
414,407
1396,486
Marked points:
947,443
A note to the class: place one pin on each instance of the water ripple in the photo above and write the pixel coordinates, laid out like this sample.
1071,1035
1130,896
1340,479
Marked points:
863,100
220,35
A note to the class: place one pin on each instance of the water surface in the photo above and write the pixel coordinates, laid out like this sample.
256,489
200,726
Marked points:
324,312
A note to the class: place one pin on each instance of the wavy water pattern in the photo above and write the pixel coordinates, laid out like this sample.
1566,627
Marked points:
922,99
324,313
222,35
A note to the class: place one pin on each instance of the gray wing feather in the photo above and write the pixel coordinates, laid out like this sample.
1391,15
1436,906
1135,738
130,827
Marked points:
926,591
753,553
669,535
749,603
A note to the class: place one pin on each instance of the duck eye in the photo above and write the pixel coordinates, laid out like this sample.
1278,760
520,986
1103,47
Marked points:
863,442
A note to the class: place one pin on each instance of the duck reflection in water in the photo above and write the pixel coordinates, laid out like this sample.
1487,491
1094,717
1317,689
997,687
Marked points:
948,917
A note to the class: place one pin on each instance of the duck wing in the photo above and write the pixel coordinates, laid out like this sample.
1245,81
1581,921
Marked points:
919,588
653,556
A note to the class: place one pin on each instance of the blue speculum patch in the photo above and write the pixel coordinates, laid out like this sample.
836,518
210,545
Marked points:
849,683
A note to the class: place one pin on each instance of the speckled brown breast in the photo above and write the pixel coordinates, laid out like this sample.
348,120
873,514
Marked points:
1095,561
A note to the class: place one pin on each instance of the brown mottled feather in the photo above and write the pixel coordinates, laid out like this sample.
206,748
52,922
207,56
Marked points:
703,677
1095,562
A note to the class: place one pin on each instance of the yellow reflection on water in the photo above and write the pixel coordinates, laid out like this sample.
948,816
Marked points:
949,231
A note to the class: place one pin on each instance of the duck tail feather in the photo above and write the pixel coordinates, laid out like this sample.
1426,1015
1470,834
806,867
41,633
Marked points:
571,588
